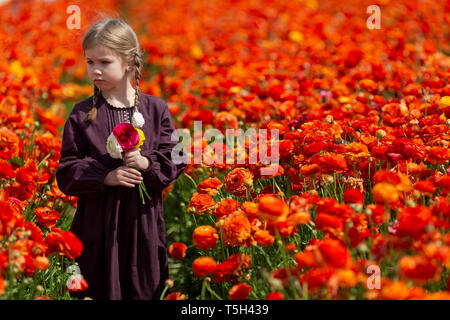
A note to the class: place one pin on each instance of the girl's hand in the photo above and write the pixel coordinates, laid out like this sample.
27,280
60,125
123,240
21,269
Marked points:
123,176
134,159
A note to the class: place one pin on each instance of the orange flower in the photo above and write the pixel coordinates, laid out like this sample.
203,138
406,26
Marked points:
334,253
250,208
368,84
317,277
439,295
175,296
8,218
65,243
238,181
235,228
41,262
2,286
200,203
226,206
307,258
203,266
290,247
353,196
425,187
275,125
177,250
387,177
298,218
263,237
443,182
330,163
328,223
226,120
205,237
209,186
283,227
6,170
384,192
272,208
398,290
309,169
356,152
298,211
377,213
46,216
438,155
347,278
413,220
232,268
9,144
285,148
419,269
277,295
240,291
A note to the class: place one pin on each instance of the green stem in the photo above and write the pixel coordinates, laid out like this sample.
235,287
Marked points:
163,292
190,179
202,296
212,291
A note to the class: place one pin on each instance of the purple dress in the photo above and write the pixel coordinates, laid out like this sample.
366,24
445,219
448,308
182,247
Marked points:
125,252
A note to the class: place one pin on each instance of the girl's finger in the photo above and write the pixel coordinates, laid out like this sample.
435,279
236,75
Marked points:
132,176
134,181
134,172
126,184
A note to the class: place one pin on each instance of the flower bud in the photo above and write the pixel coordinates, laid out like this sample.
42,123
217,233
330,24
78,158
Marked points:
329,119
169,283
380,134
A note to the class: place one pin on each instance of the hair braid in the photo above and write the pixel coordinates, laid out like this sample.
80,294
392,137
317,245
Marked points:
92,114
137,74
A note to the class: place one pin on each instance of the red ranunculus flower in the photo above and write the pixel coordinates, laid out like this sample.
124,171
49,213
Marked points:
46,216
177,250
127,136
65,243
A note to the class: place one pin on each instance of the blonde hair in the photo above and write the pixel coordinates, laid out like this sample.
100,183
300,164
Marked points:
118,36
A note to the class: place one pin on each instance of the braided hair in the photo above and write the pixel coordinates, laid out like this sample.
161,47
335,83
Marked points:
137,75
92,114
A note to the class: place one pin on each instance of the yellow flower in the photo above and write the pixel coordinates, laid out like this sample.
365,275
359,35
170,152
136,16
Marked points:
196,52
296,36
16,69
444,102
141,138
384,192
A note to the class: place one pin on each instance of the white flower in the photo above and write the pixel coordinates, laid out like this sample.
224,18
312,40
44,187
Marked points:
113,147
137,120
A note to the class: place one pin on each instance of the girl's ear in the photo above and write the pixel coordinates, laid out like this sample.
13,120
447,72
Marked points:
130,66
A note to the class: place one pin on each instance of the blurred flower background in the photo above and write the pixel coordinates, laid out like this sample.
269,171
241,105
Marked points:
363,117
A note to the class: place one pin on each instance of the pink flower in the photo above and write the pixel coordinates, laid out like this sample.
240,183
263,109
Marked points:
126,135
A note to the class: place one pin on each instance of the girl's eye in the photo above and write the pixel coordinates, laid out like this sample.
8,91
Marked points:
104,62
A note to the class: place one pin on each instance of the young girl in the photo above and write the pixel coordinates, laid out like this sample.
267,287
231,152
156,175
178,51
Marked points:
125,253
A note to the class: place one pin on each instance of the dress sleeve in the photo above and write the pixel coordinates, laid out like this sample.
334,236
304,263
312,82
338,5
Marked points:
162,170
78,175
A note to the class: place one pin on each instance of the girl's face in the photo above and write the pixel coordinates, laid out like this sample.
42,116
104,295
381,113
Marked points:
105,68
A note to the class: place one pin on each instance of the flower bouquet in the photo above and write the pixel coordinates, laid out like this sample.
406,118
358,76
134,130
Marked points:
126,137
